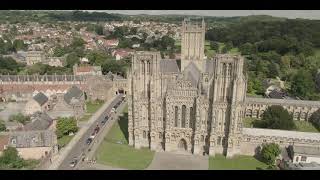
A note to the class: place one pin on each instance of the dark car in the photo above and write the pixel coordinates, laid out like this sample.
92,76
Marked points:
89,141
103,121
73,163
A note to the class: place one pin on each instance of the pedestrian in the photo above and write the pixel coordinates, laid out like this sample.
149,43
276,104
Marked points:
50,160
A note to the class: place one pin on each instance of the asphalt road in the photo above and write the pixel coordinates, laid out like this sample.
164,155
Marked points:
81,147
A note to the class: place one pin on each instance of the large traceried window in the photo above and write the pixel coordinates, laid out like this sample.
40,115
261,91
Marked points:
183,117
176,116
191,118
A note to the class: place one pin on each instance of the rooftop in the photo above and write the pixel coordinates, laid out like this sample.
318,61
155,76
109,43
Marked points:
281,133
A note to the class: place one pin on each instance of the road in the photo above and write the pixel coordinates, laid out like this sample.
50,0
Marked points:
81,147
99,139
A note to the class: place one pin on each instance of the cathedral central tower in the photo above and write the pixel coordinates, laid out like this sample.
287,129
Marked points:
192,43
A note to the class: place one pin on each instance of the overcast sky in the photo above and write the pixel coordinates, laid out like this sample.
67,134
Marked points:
306,14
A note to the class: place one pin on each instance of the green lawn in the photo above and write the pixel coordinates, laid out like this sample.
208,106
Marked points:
220,162
62,142
302,126
31,164
115,151
305,126
92,107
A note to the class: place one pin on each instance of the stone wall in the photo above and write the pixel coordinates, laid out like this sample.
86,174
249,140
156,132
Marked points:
253,138
300,109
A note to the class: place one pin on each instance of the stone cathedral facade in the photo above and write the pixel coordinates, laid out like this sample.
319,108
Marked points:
196,108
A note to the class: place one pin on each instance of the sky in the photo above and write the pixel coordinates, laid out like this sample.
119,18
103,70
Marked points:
292,14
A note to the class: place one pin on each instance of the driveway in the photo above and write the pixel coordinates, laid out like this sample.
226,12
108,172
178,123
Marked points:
172,161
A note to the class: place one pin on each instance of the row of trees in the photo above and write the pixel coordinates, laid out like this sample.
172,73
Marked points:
275,48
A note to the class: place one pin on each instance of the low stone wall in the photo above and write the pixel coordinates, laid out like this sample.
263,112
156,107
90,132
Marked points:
253,138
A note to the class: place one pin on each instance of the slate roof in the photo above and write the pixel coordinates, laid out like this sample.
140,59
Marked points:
41,98
27,139
192,74
169,66
306,150
209,65
39,121
73,92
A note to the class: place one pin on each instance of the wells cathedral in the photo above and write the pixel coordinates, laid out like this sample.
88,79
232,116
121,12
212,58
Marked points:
197,106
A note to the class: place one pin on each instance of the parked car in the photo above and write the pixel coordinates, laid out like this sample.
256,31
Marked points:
104,121
89,141
73,163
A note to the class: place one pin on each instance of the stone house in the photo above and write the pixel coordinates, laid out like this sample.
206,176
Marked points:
36,139
34,57
38,103
70,104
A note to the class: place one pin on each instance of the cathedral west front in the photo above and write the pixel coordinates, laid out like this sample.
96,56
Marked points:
196,106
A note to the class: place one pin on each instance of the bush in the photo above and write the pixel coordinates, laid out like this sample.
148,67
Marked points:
66,126
10,159
2,126
269,153
20,118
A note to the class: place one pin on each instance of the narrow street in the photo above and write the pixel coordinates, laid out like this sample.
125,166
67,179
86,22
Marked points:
78,145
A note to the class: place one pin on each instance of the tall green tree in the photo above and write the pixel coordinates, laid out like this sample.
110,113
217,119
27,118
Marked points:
276,117
302,84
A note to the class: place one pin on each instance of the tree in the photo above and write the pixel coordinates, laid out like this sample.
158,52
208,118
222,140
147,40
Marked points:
274,70
269,153
276,117
315,118
98,29
72,59
214,46
66,126
10,159
2,126
302,84
19,45
20,118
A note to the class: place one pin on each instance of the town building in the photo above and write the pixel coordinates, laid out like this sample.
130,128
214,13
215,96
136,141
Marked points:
34,57
87,70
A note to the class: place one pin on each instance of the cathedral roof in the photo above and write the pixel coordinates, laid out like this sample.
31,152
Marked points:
208,66
169,66
192,73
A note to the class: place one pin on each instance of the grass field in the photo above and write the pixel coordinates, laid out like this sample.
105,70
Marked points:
62,142
92,107
220,162
115,151
302,126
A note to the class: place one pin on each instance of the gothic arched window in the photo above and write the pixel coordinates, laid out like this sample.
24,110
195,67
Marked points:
191,118
183,118
176,116
144,134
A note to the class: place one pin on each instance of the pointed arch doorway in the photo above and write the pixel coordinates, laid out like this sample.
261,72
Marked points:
182,145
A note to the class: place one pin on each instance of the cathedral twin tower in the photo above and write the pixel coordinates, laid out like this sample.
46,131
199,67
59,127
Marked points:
195,108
